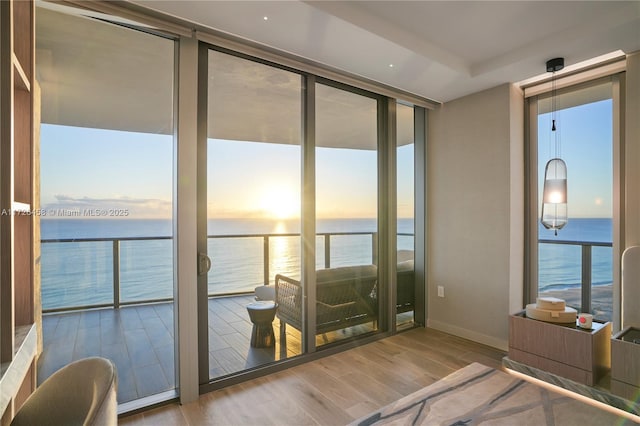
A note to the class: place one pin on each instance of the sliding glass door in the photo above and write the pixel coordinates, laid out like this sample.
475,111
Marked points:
294,238
346,168
253,192
271,140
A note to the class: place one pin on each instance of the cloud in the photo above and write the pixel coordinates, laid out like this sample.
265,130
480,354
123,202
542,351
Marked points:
115,207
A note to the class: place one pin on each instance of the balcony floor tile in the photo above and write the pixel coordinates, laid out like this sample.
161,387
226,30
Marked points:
139,340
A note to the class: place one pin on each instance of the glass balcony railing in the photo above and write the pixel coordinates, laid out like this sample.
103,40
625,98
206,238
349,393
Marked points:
85,273
110,272
580,272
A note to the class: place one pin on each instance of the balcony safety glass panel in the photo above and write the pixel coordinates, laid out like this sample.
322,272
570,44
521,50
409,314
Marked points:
346,214
405,272
106,199
253,212
576,265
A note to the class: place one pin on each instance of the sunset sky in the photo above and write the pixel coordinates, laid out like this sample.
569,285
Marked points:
586,139
92,168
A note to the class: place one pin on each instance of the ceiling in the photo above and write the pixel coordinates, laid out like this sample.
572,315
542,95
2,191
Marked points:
440,50
94,74
98,75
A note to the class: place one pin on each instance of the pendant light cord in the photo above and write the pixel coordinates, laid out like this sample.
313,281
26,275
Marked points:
553,101
554,109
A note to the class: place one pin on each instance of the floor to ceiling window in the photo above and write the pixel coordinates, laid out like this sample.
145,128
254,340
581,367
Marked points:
108,175
106,189
347,284
577,264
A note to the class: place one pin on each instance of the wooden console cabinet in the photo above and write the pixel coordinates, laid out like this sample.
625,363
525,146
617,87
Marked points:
583,356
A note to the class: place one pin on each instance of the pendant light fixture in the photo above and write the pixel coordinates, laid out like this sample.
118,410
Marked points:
554,195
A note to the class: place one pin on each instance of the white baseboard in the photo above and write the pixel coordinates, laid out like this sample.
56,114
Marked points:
494,342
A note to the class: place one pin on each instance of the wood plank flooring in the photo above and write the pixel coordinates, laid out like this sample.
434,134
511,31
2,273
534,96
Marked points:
139,340
333,390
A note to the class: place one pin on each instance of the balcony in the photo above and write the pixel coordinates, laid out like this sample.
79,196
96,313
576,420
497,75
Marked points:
140,340
98,313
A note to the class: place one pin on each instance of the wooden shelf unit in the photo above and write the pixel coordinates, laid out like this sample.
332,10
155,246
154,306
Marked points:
19,283
21,79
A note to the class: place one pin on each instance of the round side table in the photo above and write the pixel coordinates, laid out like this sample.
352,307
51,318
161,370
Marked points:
262,315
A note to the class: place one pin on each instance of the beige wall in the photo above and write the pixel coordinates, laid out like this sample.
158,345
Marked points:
631,291
476,210
475,214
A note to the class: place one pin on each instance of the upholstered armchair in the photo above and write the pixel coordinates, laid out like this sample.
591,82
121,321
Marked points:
80,393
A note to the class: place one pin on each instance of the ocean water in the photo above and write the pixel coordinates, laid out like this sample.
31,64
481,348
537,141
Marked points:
81,273
560,266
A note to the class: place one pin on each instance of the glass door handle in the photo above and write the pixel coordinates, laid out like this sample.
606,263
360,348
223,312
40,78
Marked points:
204,263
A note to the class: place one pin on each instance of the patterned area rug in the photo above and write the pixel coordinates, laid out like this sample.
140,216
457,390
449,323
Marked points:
479,395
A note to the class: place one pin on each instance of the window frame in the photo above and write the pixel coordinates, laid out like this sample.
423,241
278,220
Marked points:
386,146
532,95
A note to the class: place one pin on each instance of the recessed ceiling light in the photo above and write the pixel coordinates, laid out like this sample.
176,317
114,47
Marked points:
266,18
390,65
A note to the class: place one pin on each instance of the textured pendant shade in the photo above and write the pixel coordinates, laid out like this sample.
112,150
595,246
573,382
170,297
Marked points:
554,195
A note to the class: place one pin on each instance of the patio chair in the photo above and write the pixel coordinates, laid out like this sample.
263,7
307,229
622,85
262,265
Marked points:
405,301
345,297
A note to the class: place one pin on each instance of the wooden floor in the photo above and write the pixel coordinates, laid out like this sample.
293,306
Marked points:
230,335
333,390
139,340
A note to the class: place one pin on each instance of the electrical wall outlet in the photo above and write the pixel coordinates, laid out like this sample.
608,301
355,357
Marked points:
440,291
